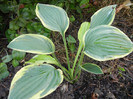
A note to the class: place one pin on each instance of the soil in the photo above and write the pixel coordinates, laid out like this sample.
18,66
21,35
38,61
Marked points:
113,84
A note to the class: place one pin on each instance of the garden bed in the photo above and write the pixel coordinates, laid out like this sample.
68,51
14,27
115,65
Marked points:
115,83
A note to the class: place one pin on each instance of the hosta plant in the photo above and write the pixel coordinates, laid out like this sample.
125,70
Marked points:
97,39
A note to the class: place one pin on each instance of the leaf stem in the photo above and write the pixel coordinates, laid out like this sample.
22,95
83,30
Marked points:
76,58
81,58
66,78
66,72
63,68
78,69
65,44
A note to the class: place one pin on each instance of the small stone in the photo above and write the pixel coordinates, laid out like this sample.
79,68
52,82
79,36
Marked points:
64,88
110,95
99,92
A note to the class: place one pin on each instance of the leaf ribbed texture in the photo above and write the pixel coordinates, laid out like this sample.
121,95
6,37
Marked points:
53,17
35,82
106,42
104,16
32,43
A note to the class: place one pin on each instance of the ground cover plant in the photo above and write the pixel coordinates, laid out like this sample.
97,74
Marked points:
15,58
97,40
22,19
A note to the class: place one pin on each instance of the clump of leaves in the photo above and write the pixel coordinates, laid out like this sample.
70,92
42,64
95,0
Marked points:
23,19
15,57
97,39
